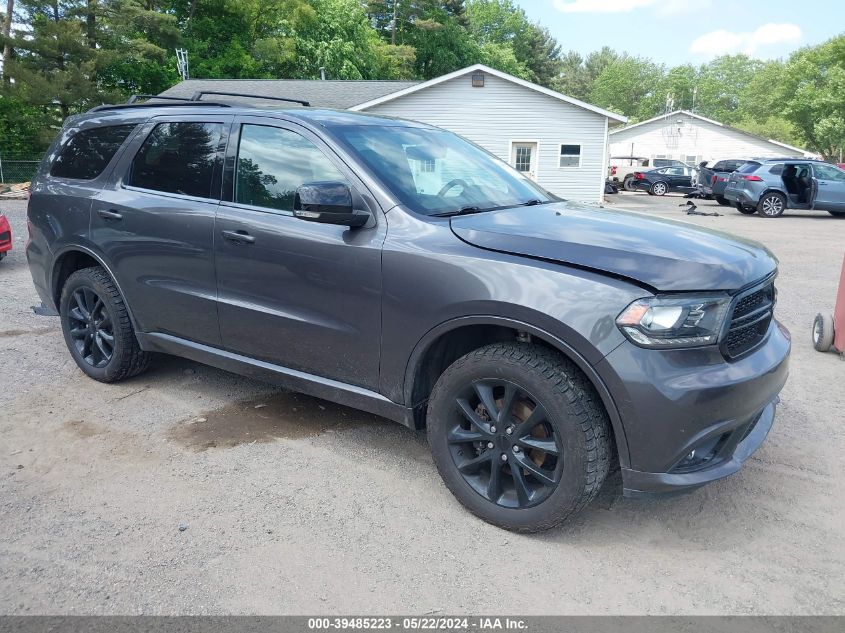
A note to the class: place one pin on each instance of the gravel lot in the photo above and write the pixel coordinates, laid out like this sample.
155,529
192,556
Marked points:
305,507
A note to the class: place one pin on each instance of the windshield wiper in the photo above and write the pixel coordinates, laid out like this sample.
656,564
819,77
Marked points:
532,203
461,211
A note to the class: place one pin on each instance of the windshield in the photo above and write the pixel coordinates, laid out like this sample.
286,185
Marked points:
435,172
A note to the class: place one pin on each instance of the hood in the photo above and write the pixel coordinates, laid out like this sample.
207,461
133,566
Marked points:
663,254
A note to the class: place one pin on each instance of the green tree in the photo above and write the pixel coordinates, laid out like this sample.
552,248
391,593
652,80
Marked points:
505,25
629,86
56,56
813,85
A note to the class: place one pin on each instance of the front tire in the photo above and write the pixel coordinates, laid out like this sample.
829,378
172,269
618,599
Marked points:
512,404
771,205
659,189
97,328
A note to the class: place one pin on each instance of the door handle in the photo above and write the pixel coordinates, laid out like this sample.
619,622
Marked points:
242,237
822,183
109,214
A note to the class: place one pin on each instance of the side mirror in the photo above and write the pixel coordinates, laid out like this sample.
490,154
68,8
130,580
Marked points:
327,203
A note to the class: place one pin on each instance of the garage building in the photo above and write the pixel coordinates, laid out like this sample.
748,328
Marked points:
691,138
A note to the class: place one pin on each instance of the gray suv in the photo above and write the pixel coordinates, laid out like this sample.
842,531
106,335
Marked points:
770,187
397,268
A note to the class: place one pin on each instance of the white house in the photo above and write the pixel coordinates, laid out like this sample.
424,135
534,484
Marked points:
559,141
691,138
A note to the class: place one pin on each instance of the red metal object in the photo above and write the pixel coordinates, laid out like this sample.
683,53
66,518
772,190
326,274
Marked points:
5,235
839,314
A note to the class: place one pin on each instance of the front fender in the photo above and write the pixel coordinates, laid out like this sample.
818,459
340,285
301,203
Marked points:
557,343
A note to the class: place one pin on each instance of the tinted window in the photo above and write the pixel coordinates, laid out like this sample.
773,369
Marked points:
749,168
88,152
178,158
828,172
273,163
776,169
719,166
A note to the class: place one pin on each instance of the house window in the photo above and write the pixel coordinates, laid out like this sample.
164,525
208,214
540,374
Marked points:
690,160
523,159
570,155
426,166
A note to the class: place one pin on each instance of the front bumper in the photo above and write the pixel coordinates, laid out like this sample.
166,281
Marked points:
750,436
673,402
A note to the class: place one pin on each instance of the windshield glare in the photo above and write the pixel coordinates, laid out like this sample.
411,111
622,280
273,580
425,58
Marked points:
434,171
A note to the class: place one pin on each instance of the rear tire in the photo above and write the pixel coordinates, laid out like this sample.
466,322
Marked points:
97,328
659,189
837,214
628,184
745,210
823,332
771,205
723,201
475,437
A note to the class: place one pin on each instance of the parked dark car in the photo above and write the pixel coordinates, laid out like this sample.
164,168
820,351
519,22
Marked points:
714,175
397,268
659,182
769,187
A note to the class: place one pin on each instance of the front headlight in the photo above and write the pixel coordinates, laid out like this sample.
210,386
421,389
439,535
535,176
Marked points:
674,320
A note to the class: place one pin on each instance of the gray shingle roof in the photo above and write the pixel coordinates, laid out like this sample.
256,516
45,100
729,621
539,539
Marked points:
335,94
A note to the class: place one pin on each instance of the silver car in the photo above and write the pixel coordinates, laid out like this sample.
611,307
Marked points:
769,187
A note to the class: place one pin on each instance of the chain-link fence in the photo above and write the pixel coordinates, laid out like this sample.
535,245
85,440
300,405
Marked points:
16,168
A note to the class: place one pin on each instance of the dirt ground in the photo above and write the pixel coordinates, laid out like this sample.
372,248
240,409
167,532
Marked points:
291,505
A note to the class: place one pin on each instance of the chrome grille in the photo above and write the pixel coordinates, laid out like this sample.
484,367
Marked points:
750,320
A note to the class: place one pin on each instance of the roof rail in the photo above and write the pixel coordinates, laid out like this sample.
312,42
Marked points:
134,98
198,95
180,103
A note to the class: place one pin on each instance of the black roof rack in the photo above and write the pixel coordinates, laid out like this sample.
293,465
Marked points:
121,106
199,95
134,98
195,99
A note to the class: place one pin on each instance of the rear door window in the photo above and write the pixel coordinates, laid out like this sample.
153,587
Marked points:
88,152
178,158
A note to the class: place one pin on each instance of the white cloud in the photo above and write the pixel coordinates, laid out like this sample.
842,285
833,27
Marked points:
724,42
663,7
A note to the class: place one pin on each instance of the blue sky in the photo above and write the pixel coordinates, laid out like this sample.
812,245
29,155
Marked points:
674,32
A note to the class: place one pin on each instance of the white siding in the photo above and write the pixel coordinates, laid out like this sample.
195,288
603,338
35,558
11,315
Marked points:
698,138
502,112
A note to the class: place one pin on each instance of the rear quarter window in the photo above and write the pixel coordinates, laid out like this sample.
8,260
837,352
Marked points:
86,154
748,168
777,170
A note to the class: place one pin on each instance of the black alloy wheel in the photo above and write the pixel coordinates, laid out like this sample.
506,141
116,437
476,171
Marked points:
97,327
503,444
90,327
